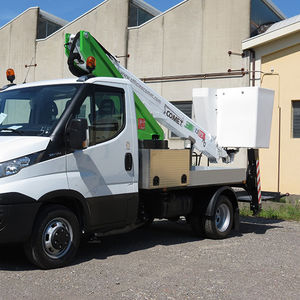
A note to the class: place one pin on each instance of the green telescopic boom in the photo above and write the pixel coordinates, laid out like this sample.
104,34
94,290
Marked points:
83,45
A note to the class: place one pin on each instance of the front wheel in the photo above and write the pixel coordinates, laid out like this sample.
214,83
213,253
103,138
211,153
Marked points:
55,238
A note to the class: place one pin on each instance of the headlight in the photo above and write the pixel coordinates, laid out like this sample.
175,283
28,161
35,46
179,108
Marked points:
13,166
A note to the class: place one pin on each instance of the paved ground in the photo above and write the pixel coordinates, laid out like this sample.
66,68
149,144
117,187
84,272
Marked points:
167,262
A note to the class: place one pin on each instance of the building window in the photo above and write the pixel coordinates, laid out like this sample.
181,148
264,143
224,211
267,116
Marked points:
296,119
48,24
137,15
186,108
262,16
45,28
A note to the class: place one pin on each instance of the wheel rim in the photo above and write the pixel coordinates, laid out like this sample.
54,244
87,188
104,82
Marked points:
57,238
222,217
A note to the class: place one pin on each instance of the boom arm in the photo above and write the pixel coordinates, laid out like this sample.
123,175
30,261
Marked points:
83,45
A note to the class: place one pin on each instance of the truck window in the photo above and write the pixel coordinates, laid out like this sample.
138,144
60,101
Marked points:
34,110
17,111
105,113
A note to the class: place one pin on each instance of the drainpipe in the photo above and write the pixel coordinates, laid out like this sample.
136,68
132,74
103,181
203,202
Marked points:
252,61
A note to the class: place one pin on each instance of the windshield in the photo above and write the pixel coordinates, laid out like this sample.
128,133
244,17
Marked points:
34,110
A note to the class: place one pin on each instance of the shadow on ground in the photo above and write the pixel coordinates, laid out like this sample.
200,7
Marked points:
257,225
161,232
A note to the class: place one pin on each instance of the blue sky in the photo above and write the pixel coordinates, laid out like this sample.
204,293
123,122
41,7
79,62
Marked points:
71,9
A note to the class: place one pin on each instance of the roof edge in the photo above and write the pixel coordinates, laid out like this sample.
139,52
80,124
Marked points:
270,36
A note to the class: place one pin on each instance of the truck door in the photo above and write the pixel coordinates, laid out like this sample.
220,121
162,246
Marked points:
105,173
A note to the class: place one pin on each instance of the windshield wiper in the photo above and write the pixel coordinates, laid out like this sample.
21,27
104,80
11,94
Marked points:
20,132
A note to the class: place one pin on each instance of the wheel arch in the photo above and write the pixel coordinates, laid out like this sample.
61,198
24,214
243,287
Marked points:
71,200
226,191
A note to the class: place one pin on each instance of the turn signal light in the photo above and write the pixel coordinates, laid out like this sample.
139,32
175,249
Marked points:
85,144
10,75
91,63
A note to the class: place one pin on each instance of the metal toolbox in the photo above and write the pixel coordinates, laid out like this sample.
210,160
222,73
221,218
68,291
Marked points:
163,168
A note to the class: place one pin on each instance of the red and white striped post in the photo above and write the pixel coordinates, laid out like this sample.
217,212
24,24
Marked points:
258,181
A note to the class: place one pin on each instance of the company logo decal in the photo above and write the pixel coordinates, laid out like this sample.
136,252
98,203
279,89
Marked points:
170,114
141,123
201,134
189,126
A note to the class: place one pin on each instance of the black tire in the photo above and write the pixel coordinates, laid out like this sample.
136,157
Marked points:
219,225
197,222
55,238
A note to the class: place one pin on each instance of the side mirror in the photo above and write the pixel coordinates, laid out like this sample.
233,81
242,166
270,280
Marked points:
76,134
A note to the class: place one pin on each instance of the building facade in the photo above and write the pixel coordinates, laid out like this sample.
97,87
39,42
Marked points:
277,56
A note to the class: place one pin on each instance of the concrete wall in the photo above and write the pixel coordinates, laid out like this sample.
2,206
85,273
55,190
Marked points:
18,45
192,38
281,163
107,23
226,25
199,43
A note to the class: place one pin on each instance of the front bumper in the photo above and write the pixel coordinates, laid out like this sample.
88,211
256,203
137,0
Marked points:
17,215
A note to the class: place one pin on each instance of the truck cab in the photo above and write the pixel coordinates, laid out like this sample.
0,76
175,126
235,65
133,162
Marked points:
70,145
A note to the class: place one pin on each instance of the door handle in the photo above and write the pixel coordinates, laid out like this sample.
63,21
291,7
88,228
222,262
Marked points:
128,161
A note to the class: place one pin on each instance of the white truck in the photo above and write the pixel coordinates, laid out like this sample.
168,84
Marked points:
75,159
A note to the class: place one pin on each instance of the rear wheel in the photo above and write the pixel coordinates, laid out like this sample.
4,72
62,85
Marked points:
55,238
219,224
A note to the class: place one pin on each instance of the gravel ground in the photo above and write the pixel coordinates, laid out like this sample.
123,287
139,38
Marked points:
165,261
